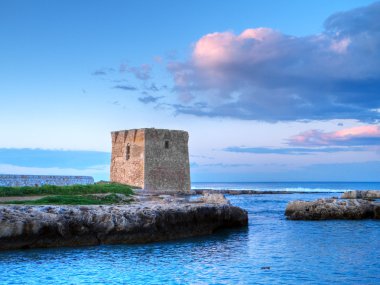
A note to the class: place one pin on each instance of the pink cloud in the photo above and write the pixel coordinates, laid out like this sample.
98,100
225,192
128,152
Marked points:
263,74
359,131
363,135
213,50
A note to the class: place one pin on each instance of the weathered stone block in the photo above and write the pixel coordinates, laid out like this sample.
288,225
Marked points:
153,159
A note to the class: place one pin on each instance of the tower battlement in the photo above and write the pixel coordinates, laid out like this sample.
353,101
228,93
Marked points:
153,159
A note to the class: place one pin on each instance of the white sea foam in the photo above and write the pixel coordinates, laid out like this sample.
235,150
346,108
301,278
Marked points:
319,187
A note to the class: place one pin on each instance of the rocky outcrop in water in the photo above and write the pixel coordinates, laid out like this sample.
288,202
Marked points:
368,194
324,209
54,226
214,199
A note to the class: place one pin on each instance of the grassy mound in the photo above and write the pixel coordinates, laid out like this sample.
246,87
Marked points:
66,190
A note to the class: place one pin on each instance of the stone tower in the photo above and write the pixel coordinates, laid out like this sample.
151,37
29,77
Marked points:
153,159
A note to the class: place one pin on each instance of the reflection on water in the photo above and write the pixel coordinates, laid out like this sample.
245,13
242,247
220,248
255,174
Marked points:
297,252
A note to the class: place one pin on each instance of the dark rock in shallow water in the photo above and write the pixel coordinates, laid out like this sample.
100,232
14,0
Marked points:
324,209
54,226
368,194
377,211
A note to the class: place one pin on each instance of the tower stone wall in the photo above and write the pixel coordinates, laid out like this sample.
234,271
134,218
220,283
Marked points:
158,159
167,160
128,170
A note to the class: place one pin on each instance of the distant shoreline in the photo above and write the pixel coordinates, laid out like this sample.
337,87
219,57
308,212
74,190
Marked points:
250,192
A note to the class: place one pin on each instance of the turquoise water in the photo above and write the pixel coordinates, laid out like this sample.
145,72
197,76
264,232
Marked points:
297,252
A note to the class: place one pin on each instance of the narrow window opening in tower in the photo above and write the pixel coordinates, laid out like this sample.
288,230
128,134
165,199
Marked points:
128,154
166,144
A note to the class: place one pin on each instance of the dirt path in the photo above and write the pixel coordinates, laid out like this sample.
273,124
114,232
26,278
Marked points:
21,198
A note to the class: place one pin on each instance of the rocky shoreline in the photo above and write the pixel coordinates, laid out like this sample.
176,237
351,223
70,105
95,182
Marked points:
366,194
161,219
353,205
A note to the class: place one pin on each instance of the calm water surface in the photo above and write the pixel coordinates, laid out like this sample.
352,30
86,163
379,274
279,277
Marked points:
297,252
290,186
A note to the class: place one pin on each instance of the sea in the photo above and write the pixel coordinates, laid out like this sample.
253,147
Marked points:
271,250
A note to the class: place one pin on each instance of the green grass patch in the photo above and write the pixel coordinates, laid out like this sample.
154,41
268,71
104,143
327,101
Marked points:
66,190
73,200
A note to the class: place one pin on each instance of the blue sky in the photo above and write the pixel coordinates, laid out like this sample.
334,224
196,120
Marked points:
268,90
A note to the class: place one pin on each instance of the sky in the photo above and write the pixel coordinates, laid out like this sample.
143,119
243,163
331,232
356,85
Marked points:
268,90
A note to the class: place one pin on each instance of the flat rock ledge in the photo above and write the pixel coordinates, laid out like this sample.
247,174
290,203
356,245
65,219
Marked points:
24,227
332,208
364,194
